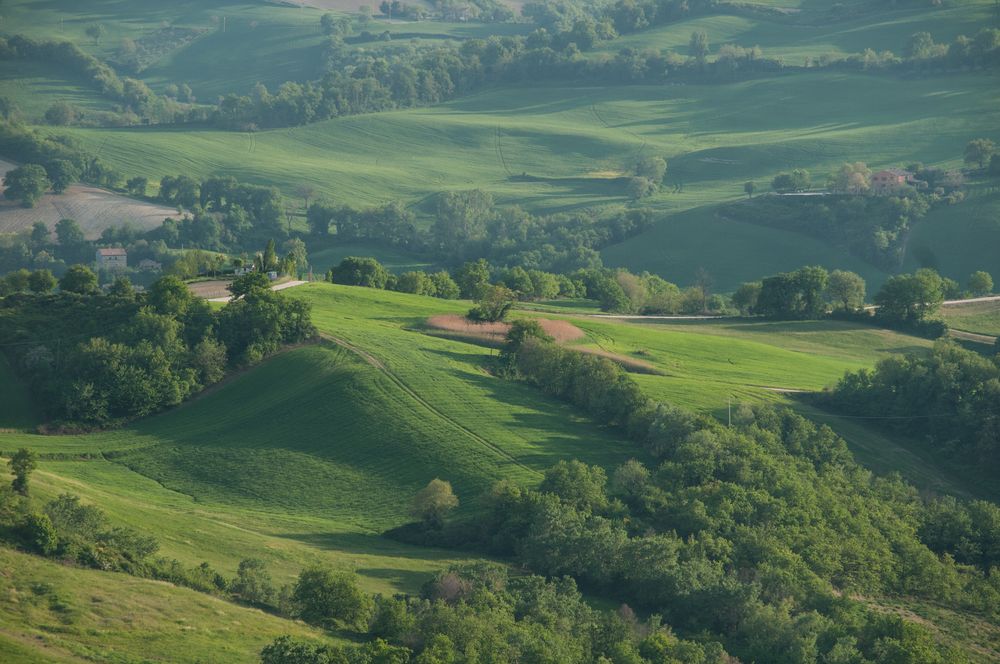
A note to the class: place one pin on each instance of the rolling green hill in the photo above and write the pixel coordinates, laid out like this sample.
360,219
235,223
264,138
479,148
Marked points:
53,613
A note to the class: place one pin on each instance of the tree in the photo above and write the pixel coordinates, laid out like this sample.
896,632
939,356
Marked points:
981,283
122,288
797,180
96,31
253,582
433,503
577,484
21,464
852,178
41,282
356,271
444,286
846,290
745,297
330,599
26,183
652,168
62,174
69,233
698,46
60,114
910,298
328,22
248,283
79,279
287,650
137,186
305,192
748,188
472,278
979,151
493,304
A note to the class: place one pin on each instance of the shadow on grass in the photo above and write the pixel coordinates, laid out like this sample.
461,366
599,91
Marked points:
369,544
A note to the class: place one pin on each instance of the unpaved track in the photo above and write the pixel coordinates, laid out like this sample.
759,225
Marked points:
378,364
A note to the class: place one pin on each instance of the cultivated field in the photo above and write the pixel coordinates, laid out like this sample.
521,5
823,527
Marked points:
94,209
974,317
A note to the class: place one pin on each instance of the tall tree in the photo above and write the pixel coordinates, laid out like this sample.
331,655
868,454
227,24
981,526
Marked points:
26,183
21,464
434,502
979,151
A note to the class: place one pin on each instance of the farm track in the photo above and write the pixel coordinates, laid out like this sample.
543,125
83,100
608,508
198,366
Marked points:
378,364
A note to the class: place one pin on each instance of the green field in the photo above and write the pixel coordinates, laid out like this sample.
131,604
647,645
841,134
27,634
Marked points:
53,613
573,135
975,317
312,455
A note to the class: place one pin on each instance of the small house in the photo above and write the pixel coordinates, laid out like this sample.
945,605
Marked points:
112,259
888,181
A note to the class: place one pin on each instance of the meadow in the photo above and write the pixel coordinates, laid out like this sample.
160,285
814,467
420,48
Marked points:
975,317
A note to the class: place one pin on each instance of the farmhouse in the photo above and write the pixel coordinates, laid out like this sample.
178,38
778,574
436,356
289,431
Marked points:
888,181
112,259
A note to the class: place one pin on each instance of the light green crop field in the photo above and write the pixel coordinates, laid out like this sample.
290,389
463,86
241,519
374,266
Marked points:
245,42
53,613
714,136
813,33
976,317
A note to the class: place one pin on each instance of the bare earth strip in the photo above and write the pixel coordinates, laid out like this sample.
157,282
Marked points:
94,209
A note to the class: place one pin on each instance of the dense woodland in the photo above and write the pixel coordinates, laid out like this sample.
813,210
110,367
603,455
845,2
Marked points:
95,360
948,400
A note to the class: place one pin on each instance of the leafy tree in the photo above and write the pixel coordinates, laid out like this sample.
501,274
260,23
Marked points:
253,582
434,502
846,290
698,46
852,178
249,282
60,114
797,180
979,151
653,169
473,278
62,174
745,297
137,186
356,271
910,298
69,233
981,283
288,650
330,599
444,286
79,279
41,281
39,235
640,187
577,484
328,22
21,464
122,288
493,304
26,183
40,534
748,188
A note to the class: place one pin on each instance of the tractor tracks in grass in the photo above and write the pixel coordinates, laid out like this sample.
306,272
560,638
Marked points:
398,382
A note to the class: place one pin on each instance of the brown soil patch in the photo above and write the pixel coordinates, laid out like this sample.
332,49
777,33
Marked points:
628,363
210,289
494,333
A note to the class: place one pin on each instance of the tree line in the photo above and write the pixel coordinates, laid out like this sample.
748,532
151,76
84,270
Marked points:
97,360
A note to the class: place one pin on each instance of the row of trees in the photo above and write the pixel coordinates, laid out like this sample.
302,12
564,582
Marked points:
97,360
469,224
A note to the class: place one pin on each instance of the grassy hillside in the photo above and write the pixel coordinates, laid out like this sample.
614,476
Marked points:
53,613
975,317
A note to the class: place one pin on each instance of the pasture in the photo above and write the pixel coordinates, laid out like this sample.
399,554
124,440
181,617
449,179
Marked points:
974,317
